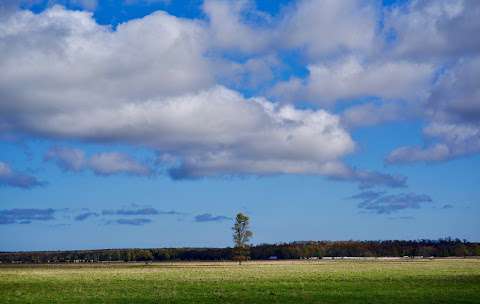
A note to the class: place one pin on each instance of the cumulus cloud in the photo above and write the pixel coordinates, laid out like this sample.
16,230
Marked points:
375,113
453,113
212,121
106,163
455,98
158,55
414,43
207,217
381,203
234,26
252,73
114,163
149,83
434,29
220,129
323,28
25,216
13,178
455,140
240,27
226,165
350,78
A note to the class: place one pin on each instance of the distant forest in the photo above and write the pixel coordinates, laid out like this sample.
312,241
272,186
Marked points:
295,250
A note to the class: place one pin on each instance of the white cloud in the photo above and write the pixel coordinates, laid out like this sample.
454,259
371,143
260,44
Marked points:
374,113
350,78
106,163
323,28
253,73
213,120
452,141
455,97
114,163
230,30
158,55
317,28
437,152
80,88
453,113
148,83
426,30
230,165
443,31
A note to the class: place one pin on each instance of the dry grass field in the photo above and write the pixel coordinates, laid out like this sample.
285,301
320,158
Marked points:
422,281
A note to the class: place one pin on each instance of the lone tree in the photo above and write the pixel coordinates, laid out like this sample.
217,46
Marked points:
241,236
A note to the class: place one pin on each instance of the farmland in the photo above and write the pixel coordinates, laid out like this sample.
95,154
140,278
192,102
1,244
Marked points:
422,281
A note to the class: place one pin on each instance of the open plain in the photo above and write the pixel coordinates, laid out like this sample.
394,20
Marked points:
342,281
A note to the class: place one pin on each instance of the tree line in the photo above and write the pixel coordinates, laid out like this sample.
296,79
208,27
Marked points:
296,250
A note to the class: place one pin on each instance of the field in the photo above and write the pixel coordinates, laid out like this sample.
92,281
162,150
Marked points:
422,281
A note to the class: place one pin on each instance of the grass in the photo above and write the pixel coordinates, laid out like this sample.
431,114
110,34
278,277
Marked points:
425,281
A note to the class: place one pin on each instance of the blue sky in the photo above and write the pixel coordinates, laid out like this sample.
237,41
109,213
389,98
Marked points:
152,123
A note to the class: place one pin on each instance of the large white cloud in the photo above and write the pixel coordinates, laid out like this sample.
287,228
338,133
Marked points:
216,123
66,51
148,83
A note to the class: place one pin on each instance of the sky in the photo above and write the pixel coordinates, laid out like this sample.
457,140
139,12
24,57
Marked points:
149,123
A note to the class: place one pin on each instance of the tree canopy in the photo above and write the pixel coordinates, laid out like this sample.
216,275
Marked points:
241,237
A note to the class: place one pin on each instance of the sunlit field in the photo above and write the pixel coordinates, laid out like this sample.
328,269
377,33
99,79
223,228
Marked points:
423,281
